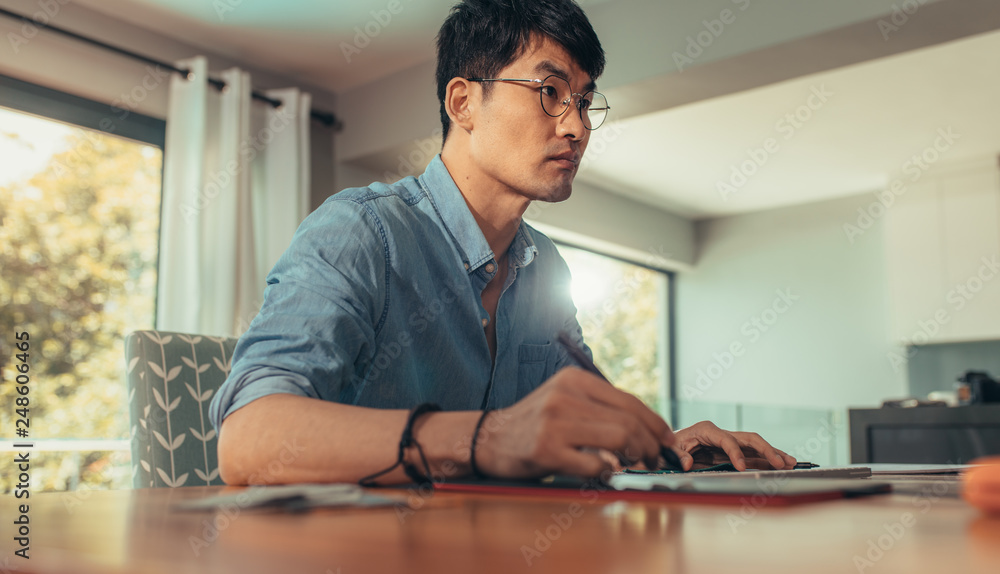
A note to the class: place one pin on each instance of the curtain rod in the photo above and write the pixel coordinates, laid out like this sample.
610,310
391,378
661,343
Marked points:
326,118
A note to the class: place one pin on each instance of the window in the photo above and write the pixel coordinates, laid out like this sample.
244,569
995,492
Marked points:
79,225
623,310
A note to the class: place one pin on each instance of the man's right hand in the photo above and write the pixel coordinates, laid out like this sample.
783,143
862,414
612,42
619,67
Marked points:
562,426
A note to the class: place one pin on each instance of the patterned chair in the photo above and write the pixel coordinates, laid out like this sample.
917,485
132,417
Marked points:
171,378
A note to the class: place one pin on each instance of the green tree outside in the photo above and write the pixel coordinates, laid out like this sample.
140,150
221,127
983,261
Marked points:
621,307
79,246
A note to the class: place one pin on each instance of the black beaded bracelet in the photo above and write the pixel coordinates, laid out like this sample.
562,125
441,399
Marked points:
405,441
472,450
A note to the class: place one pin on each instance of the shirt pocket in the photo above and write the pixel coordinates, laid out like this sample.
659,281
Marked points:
534,366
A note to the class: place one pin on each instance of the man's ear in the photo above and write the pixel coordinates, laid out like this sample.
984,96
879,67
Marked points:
460,99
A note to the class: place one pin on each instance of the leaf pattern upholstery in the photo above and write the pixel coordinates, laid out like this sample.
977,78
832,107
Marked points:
171,378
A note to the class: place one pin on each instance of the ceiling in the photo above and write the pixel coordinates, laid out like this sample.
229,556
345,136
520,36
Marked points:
876,115
877,112
301,39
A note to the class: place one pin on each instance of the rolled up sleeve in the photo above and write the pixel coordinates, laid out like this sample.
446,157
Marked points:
324,304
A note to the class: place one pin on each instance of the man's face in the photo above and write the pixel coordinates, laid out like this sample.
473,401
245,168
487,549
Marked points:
520,146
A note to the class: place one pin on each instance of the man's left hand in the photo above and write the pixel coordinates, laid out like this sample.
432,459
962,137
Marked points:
704,444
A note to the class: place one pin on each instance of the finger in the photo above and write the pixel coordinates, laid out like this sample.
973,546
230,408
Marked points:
609,457
765,450
579,463
687,444
599,390
790,460
606,429
729,444
687,461
613,462
700,455
631,438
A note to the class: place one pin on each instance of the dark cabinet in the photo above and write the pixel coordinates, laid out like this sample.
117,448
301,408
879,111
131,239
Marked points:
927,435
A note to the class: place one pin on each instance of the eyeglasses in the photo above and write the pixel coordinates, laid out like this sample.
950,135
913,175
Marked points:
556,96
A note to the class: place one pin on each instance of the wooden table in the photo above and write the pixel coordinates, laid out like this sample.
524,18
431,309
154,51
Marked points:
138,531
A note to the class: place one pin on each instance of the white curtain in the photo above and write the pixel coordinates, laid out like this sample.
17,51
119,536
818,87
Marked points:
235,187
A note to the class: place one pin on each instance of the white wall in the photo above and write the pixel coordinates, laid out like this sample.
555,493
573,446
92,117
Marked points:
826,348
613,224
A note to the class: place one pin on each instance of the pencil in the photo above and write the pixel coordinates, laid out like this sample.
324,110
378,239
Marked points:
581,358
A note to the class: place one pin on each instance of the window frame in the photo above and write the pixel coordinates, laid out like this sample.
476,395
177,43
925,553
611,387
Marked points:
66,108
669,302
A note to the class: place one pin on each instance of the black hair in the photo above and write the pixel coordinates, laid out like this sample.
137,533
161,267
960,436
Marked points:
481,37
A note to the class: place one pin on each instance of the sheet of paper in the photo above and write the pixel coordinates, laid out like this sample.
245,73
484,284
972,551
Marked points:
291,497
819,472
732,484
880,469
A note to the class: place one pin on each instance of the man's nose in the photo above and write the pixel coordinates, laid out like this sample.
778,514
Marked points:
571,122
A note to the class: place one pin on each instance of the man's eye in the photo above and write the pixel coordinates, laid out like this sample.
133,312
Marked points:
585,104
550,91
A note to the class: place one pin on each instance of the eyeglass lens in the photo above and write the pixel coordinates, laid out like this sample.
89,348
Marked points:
557,95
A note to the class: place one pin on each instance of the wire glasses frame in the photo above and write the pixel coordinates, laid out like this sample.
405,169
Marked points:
556,95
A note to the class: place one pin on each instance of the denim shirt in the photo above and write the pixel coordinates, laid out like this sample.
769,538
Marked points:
376,303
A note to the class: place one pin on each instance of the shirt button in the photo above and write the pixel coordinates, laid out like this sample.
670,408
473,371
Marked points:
466,266
490,267
486,322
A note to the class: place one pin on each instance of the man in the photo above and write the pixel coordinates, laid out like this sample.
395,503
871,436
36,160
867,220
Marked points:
433,290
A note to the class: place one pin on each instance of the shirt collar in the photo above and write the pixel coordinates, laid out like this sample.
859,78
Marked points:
523,249
461,225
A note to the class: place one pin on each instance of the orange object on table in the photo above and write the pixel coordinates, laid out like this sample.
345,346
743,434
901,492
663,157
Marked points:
981,484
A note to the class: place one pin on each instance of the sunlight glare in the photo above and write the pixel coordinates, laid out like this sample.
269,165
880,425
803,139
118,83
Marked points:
590,287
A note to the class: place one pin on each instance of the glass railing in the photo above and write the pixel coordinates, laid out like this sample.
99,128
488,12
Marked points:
68,464
809,434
